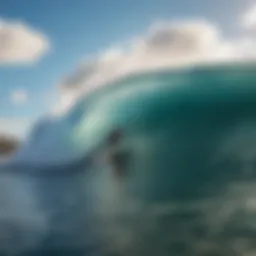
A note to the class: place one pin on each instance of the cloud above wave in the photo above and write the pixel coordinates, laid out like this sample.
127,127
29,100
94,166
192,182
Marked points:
166,44
21,44
15,126
19,97
248,18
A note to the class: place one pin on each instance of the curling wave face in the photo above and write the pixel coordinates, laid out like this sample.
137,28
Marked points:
187,183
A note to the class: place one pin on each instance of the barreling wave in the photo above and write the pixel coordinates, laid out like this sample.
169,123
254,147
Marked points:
187,185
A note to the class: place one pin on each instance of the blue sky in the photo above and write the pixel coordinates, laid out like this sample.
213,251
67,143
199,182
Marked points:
78,28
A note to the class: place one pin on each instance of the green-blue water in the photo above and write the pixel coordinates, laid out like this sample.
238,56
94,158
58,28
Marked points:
188,180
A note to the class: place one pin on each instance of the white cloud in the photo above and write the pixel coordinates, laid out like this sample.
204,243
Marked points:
248,19
20,43
19,97
166,44
15,126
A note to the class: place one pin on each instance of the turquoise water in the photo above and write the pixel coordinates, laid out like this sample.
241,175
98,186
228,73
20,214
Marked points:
188,180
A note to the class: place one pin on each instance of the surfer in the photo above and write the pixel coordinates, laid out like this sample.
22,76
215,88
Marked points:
115,156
